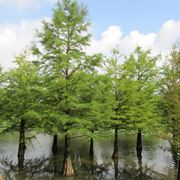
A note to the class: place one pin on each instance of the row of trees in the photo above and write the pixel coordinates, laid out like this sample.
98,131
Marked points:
64,90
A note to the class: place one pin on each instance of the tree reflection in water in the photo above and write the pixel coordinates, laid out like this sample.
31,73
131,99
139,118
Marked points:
93,166
32,169
116,169
46,168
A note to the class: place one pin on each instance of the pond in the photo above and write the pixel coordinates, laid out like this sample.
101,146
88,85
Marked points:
157,161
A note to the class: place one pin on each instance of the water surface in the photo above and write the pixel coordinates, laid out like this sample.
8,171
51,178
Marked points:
157,159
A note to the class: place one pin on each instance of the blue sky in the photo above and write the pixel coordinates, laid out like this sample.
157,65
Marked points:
153,24
143,15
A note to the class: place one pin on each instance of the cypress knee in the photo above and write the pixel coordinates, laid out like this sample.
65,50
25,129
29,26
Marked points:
68,170
115,152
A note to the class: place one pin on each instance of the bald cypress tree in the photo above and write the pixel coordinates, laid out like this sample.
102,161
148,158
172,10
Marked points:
140,91
61,52
21,109
170,91
113,70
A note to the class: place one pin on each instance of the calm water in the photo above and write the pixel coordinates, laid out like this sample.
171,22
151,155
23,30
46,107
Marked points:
157,159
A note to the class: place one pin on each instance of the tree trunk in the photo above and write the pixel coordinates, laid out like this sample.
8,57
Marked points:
178,176
54,145
68,170
91,148
54,152
139,145
139,156
115,161
22,145
91,156
115,153
174,152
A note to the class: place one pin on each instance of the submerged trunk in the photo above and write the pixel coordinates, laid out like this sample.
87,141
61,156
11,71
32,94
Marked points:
115,161
54,145
22,145
175,149
91,148
139,145
54,152
178,176
55,164
139,156
91,156
115,153
92,168
68,170
174,153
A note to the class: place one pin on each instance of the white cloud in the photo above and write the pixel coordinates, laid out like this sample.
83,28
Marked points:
24,4
14,38
159,42
109,39
135,38
168,35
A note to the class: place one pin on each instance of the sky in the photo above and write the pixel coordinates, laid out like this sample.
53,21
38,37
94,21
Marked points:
153,24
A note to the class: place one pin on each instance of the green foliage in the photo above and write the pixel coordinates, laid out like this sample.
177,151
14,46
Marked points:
113,73
170,91
135,90
63,40
3,124
74,90
21,96
66,90
140,75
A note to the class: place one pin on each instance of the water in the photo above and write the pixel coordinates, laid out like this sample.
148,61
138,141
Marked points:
157,160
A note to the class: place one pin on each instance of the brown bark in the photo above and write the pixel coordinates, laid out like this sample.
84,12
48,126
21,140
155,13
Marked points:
68,170
22,145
